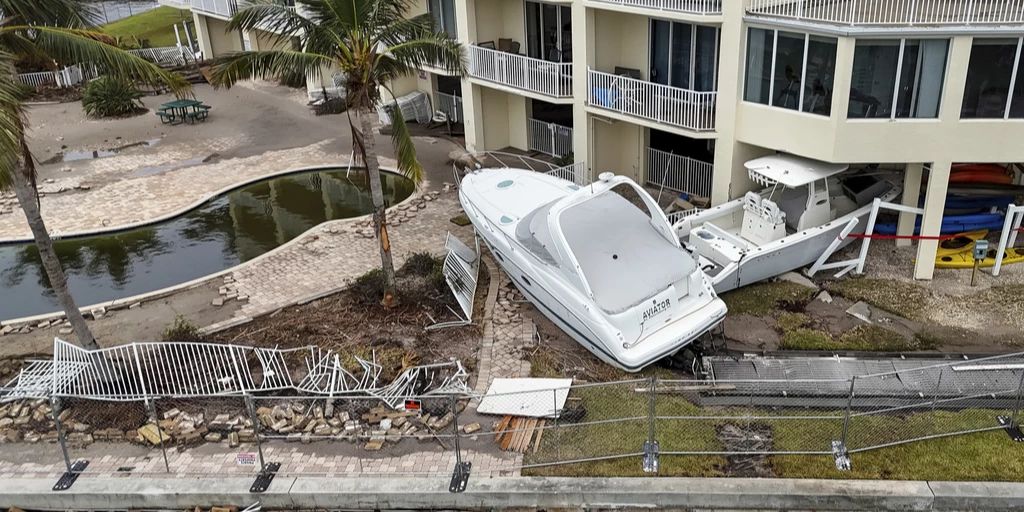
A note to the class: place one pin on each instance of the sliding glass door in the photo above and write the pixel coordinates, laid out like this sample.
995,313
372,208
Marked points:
549,31
684,55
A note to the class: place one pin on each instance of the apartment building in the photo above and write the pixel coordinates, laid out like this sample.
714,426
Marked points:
683,92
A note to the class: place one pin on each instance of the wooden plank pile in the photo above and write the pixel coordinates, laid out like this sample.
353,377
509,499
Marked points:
517,434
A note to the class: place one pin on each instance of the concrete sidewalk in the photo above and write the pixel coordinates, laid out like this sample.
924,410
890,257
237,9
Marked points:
482,493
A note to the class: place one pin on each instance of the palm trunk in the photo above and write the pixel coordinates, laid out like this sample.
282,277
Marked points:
28,198
380,221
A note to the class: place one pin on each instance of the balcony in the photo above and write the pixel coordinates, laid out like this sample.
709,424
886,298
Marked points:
550,79
892,12
221,8
682,108
700,7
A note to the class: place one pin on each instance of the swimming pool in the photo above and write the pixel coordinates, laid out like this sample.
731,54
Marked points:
227,230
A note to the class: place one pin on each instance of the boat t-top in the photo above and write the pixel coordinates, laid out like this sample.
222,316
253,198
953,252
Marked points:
786,226
600,261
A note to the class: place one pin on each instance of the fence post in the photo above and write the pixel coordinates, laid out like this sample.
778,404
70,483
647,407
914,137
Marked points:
72,470
256,430
650,460
839,450
1017,403
460,477
151,410
554,148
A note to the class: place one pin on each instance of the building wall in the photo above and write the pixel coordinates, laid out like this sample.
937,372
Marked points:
618,148
222,41
622,40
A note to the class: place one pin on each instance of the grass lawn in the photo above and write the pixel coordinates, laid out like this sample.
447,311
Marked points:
616,424
766,297
156,26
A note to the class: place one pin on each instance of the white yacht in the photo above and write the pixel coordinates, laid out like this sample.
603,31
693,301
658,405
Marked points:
784,227
601,261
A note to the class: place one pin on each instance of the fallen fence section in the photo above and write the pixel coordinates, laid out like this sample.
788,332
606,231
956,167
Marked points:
462,273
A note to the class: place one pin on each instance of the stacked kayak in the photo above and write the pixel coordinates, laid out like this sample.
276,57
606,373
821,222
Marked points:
952,224
991,174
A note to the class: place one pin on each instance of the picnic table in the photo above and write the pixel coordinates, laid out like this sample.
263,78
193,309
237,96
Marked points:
185,110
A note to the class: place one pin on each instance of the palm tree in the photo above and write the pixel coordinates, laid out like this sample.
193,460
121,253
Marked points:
57,30
373,43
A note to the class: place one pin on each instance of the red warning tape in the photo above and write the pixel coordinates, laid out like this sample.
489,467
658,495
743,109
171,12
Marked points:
903,237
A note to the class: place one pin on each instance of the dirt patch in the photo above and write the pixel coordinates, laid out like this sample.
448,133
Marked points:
751,437
749,332
354,322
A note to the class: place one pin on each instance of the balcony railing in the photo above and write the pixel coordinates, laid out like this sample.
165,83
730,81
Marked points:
706,7
693,110
893,12
679,173
535,75
548,138
225,8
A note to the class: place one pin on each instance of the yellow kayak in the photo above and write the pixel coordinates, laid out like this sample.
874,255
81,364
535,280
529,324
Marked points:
964,242
966,260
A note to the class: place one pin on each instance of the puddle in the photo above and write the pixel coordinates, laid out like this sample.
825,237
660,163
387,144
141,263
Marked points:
74,156
174,166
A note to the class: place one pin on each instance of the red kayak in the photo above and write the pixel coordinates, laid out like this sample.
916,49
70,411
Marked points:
980,173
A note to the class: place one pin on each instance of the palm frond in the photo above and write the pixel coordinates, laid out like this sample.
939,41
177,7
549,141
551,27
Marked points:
54,13
230,69
92,48
405,150
270,16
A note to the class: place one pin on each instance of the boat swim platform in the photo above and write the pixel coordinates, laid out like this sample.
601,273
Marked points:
822,381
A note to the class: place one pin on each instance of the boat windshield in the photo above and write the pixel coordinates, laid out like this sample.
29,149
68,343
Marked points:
534,234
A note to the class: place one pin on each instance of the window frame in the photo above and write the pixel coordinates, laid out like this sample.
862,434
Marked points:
771,71
1014,71
692,68
898,78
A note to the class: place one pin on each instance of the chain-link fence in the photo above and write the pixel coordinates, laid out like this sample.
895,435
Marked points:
551,428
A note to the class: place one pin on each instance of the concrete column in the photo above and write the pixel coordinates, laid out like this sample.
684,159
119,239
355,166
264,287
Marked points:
465,23
203,35
582,57
841,82
934,204
956,79
728,162
911,194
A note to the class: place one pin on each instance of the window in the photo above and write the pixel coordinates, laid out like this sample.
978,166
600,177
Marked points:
549,32
790,70
443,12
897,78
993,89
683,55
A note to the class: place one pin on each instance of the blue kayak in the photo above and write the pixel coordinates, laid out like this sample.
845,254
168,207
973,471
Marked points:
952,224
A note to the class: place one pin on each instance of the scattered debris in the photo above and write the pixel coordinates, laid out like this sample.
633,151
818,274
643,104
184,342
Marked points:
516,434
530,397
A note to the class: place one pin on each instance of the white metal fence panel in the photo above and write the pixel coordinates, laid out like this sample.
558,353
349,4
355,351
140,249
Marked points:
679,173
708,7
894,12
575,172
520,72
166,55
548,138
38,79
694,110
451,105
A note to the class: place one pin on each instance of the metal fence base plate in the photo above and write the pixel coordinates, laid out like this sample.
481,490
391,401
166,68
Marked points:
842,457
265,477
69,477
650,463
460,477
1012,429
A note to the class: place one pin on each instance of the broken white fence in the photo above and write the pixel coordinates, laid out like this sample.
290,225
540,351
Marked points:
71,76
451,105
679,173
145,371
462,272
166,55
1011,226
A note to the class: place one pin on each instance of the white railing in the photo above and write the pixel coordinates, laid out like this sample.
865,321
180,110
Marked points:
575,172
708,7
38,79
526,73
694,110
679,173
451,105
225,8
893,12
548,138
166,55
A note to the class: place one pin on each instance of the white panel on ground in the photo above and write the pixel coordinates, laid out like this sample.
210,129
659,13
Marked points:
535,398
